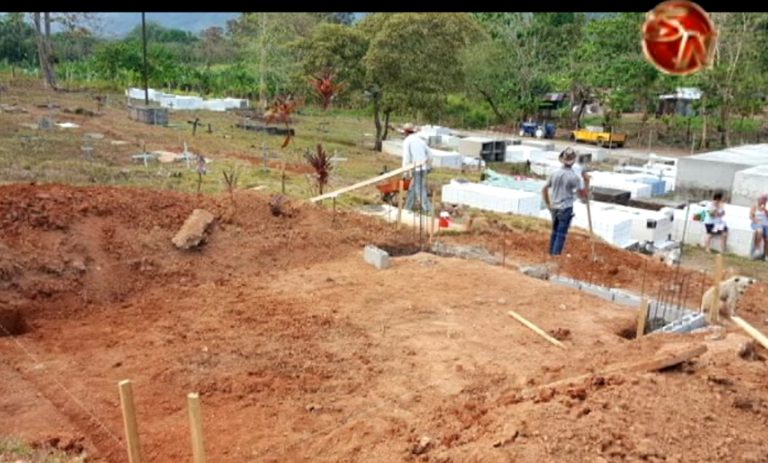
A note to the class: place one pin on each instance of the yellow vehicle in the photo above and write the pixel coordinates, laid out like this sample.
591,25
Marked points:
599,136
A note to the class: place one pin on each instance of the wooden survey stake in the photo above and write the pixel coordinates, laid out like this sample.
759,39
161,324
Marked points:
129,420
642,317
714,308
535,329
196,426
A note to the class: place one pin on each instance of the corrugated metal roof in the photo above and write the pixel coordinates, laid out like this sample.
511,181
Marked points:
683,93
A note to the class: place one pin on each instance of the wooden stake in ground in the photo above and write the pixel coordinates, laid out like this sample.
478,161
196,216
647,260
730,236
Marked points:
129,420
535,329
196,425
714,308
642,316
591,232
751,330
399,202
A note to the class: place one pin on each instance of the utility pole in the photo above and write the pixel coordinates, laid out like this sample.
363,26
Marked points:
144,39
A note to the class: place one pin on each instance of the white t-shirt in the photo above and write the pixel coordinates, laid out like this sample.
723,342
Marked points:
717,221
415,151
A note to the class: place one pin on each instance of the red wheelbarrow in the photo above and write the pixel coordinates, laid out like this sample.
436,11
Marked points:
390,188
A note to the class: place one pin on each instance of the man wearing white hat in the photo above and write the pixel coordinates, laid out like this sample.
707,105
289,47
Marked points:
565,183
416,151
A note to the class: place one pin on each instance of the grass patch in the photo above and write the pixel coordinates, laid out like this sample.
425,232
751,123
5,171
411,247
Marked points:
14,450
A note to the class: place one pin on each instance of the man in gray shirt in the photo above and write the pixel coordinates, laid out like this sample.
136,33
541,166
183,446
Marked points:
565,183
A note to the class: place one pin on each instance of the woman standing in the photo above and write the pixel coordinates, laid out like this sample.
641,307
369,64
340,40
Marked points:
759,216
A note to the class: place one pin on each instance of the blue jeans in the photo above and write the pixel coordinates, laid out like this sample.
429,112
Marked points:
419,189
561,221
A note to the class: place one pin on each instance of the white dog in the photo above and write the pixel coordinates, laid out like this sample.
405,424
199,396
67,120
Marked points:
730,291
671,257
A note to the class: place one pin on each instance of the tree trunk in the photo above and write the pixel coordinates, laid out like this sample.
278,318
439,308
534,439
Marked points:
499,117
377,122
703,131
262,62
725,138
386,124
42,36
579,113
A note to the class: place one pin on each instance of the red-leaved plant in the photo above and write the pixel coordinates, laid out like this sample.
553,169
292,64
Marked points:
322,164
280,112
326,87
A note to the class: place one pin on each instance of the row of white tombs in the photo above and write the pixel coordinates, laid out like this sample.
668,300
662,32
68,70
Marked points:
620,225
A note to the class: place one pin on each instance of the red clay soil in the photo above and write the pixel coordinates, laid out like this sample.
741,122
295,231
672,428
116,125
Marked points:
304,353
613,267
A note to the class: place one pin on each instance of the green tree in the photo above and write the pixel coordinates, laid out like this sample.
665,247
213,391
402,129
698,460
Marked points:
158,33
17,40
413,62
266,41
334,47
737,76
336,18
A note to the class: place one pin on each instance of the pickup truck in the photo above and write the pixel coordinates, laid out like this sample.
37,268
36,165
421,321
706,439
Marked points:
599,136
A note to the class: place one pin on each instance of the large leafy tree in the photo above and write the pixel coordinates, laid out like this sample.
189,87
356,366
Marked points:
266,41
336,48
413,61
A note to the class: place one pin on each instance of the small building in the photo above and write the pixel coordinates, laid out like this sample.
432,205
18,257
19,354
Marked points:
699,176
681,102
551,103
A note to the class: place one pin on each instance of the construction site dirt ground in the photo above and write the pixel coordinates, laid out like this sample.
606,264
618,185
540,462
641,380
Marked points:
303,352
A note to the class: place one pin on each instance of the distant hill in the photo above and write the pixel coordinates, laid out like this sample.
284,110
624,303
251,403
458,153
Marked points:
119,24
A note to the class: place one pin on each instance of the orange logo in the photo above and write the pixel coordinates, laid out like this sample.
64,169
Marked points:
679,37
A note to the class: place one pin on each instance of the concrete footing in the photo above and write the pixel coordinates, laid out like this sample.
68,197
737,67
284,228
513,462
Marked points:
665,320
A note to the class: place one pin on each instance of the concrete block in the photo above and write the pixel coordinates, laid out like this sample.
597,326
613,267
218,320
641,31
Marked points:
598,291
376,257
571,283
688,323
625,298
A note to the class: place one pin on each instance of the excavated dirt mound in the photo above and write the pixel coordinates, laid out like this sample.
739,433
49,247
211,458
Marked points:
64,248
302,352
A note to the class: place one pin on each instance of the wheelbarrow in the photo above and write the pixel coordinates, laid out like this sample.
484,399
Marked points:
390,188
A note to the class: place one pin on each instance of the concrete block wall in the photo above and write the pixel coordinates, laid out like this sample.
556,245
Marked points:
673,320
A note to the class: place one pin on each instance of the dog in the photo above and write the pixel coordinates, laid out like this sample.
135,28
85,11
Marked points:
730,292
670,257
